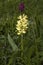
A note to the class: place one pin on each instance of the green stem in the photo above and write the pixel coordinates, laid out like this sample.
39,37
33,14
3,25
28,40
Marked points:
21,45
37,55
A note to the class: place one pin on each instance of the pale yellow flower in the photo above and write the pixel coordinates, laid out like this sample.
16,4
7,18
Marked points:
22,24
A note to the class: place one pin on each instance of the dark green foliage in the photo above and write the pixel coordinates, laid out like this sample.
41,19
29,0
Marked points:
10,52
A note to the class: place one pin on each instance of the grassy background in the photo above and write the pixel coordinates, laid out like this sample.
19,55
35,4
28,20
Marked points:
9,11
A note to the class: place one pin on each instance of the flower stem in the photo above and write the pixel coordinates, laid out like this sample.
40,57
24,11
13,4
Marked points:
21,45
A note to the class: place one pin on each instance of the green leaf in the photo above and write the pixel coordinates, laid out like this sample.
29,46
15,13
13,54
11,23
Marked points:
12,43
29,53
11,59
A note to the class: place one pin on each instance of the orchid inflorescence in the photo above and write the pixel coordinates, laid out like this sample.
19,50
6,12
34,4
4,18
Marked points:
21,6
22,24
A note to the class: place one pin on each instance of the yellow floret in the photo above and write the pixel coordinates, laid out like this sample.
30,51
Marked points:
22,24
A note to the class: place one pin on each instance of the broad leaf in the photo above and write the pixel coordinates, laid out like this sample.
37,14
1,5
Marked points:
12,43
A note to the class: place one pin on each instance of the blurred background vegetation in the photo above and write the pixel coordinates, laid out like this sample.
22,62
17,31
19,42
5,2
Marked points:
32,40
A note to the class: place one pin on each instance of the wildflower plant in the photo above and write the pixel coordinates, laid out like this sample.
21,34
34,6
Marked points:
21,28
21,6
22,24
